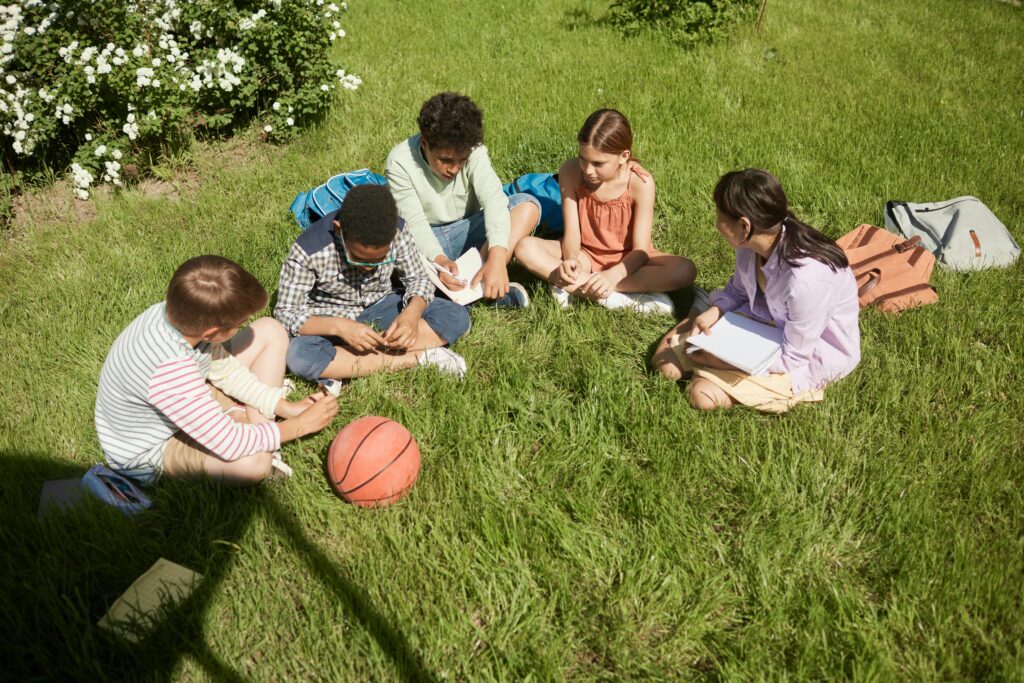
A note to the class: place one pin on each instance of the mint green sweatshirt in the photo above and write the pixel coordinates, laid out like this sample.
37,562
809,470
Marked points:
424,199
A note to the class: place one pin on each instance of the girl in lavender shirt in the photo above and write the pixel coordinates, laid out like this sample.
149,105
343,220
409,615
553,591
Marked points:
787,274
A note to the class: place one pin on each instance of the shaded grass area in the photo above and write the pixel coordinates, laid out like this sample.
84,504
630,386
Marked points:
574,519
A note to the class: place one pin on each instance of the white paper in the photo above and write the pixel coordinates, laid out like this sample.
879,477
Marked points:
746,344
469,264
135,612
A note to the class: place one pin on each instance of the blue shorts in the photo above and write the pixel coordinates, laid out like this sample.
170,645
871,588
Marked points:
309,355
460,236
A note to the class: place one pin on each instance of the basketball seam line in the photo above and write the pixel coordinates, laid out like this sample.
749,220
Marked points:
381,471
356,451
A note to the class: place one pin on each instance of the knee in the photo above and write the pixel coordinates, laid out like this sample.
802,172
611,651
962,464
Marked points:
528,212
526,250
664,360
460,323
447,319
685,273
256,467
308,356
703,395
272,332
666,366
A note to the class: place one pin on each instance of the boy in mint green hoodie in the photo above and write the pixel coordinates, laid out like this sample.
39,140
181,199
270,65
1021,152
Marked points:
452,201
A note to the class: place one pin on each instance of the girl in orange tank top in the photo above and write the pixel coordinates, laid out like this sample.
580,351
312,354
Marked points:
606,253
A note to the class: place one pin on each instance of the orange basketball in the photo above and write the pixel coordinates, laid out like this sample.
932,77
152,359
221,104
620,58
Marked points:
373,461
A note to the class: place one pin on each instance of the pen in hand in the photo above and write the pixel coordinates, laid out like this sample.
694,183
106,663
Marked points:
441,269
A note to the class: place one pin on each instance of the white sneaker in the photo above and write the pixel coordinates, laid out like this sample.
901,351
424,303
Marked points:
280,469
616,300
332,386
445,360
641,302
652,302
563,298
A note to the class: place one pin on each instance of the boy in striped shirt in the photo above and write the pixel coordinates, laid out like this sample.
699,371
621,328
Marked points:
166,401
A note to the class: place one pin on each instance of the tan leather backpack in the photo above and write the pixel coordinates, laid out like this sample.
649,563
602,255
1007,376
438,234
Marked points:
892,272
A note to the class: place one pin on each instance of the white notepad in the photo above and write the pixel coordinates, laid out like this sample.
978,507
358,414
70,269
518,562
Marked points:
139,607
469,264
746,344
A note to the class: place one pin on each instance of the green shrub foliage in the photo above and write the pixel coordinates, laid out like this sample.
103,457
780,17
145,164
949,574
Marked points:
686,22
101,84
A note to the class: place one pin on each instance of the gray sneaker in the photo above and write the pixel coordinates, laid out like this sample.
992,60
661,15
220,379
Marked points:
516,297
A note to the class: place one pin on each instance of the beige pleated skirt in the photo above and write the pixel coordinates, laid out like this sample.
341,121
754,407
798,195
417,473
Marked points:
771,393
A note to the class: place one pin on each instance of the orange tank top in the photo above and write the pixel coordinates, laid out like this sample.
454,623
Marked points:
606,227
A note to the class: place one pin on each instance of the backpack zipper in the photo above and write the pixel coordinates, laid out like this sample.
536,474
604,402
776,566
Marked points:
940,208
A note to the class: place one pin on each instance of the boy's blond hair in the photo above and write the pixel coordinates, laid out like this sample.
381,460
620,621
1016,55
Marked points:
212,291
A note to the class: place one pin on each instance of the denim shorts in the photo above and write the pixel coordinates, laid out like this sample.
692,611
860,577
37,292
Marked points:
309,355
460,236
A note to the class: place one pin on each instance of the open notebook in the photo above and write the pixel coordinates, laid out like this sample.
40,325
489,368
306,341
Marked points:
469,264
746,344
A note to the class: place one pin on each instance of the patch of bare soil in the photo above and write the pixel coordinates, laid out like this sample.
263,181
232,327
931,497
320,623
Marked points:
50,205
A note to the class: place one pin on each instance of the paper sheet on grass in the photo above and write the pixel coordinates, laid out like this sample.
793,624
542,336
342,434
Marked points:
469,264
163,585
59,494
746,344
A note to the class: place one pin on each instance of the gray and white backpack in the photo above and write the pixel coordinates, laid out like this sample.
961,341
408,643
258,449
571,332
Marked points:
962,233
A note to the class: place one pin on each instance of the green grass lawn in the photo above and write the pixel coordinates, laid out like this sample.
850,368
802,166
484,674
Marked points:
574,518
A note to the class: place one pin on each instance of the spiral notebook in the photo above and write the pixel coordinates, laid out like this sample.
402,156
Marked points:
746,344
469,264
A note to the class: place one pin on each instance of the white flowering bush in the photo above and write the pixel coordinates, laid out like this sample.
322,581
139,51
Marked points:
104,86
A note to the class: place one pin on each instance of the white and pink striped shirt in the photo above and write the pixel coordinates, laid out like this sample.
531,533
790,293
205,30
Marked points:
154,384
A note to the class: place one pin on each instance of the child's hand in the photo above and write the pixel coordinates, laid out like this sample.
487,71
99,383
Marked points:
360,337
287,409
570,269
403,333
598,285
449,265
494,275
639,171
705,321
317,416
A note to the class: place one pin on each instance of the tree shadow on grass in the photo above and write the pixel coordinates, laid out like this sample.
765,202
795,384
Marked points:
59,575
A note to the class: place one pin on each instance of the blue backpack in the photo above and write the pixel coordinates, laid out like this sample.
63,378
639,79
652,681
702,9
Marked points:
543,186
314,204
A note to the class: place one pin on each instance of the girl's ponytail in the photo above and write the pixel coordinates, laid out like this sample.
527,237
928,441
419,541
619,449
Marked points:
802,241
758,195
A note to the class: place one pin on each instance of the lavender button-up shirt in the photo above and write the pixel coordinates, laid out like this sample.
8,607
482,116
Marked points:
815,307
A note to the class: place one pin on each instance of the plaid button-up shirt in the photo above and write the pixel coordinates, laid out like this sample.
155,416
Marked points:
316,280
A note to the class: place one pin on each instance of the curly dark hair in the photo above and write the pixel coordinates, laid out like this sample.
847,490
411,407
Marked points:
369,215
449,120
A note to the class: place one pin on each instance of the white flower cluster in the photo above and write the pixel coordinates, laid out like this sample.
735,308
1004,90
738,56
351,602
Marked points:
17,104
249,23
156,70
166,21
82,180
130,128
11,20
330,11
18,123
224,70
348,81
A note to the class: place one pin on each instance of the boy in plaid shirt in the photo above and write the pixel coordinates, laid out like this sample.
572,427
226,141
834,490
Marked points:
337,300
